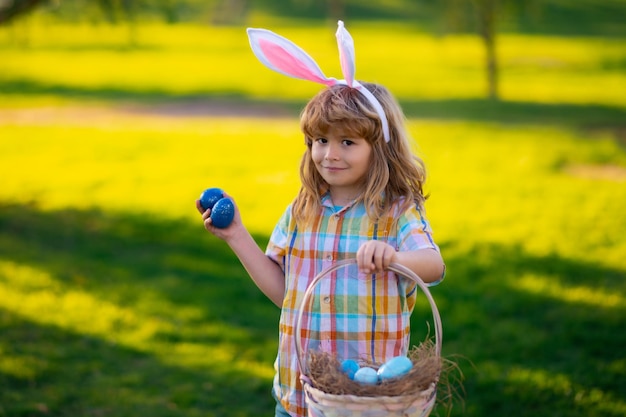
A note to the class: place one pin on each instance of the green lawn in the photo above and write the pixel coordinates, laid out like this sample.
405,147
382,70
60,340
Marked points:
115,302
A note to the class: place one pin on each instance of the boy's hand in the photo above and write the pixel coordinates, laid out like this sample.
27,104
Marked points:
225,233
374,257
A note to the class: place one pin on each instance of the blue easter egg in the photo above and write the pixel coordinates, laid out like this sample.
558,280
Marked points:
395,367
350,367
210,196
222,213
366,375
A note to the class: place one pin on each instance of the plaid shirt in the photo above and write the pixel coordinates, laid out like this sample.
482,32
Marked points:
381,328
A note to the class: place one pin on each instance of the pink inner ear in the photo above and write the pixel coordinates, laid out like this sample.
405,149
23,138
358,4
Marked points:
285,62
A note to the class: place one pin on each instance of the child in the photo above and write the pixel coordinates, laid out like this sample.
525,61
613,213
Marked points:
361,197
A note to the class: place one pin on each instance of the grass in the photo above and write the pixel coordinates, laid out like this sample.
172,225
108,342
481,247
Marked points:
105,331
115,302
164,63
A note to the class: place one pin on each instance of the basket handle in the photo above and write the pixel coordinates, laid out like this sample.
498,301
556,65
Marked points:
394,267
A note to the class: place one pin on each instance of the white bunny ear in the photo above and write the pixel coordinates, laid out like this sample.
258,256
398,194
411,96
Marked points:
346,53
348,67
283,56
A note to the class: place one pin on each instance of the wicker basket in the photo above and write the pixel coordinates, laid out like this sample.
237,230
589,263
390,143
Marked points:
322,404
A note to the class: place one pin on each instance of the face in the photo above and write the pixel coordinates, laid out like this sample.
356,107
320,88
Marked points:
343,162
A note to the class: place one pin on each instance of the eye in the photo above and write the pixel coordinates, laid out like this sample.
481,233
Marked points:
347,142
321,140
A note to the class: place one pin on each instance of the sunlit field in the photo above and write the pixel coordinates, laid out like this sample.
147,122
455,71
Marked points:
114,301
159,61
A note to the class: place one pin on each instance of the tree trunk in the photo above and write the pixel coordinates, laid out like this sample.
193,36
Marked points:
487,18
335,10
230,12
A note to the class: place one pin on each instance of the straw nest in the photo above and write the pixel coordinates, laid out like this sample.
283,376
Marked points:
326,375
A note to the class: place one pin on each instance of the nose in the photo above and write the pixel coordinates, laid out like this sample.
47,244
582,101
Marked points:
332,152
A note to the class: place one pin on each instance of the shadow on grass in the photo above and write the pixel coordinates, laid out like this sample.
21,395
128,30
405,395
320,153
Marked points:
154,268
542,335
114,249
484,110
535,353
202,104
80,375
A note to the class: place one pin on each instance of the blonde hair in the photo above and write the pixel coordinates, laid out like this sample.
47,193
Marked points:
396,173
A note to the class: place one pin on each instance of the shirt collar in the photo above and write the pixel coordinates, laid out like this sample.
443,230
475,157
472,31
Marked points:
328,203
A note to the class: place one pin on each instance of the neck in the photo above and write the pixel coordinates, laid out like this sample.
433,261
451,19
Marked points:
340,200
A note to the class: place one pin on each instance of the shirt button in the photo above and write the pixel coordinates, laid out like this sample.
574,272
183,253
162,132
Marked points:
329,257
327,300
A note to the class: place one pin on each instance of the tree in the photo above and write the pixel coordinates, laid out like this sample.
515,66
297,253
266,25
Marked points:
10,9
487,13
228,12
336,10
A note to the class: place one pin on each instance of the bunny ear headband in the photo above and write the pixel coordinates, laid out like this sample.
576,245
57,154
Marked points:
283,56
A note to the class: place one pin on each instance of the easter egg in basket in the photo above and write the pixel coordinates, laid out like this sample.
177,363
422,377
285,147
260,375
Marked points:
350,367
395,367
366,375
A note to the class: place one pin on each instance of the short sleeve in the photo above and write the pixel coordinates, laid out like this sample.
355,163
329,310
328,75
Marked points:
277,245
414,231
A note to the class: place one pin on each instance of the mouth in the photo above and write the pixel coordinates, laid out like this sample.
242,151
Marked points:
333,169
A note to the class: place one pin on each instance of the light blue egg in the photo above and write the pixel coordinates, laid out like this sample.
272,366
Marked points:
366,375
395,367
350,367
